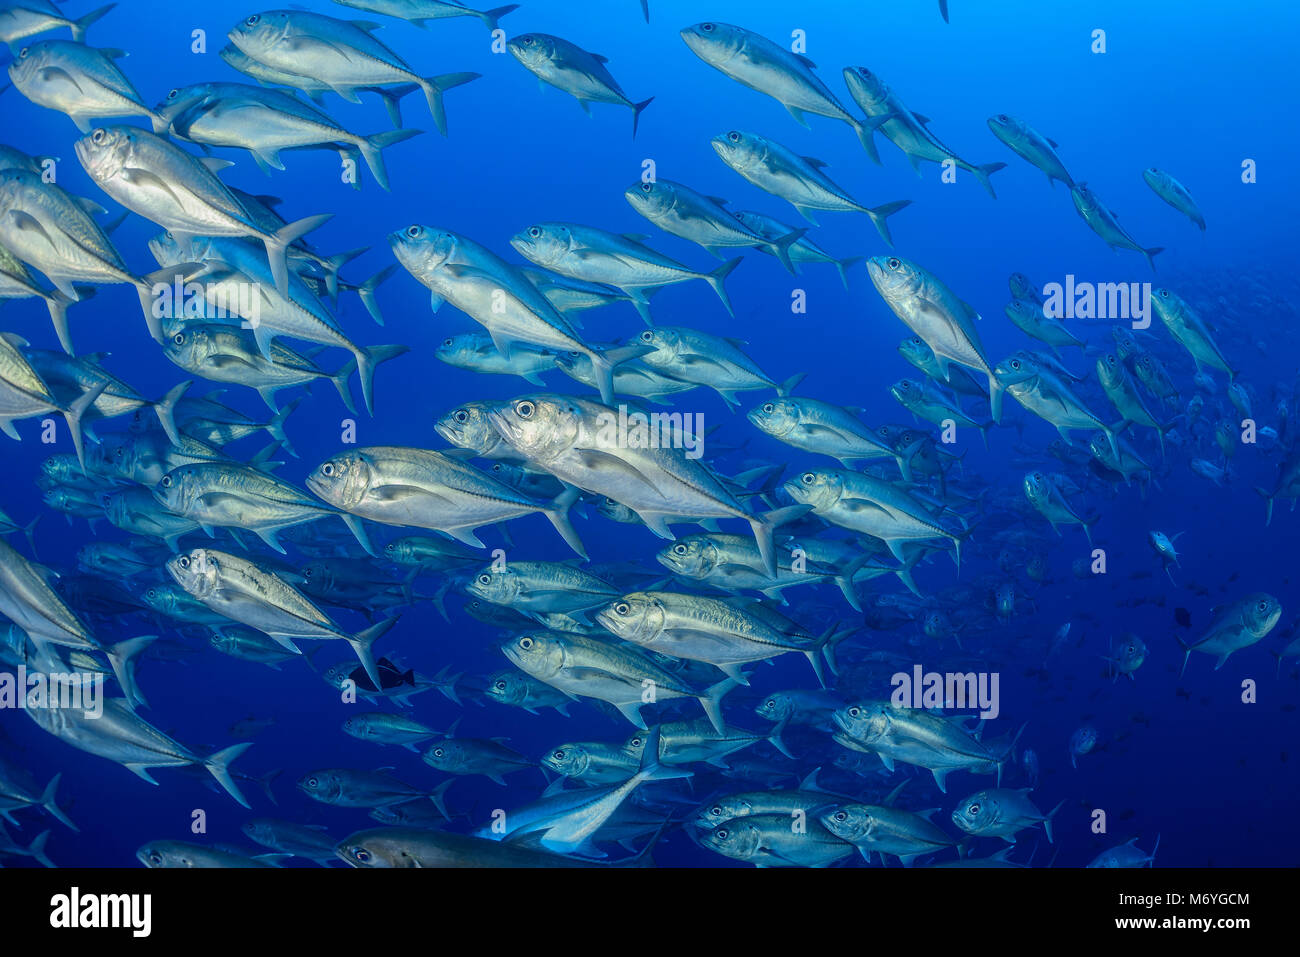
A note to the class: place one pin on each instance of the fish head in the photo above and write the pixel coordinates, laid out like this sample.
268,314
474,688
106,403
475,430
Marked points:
775,707
533,50
1016,370
1007,128
458,350
167,250
545,244
1261,613
693,556
166,854
915,350
576,365
1167,304
324,786
182,103
848,822
198,572
615,510
105,150
864,721
25,69
907,391
820,489
507,687
1021,287
570,760
1099,446
469,426
652,199
740,150
343,480
540,426
260,32
637,617
176,491
189,344
423,250
868,90
1155,178
896,279
737,839
260,830
448,755
978,814
715,43
665,342
535,653
318,575
499,585
1083,740
722,809
162,598
777,417
1110,370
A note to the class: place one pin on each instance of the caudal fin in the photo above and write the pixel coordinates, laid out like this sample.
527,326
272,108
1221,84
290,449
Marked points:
636,113
74,413
122,657
492,18
880,214
764,525
558,513
166,410
362,641
366,291
1151,255
716,277
367,359
79,25
780,248
982,173
435,86
218,766
372,148
866,134
50,803
277,246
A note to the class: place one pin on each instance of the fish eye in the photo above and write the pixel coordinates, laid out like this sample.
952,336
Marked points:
527,41
679,549
647,336
769,703
312,782
622,608
973,809
635,742
535,232
98,136
559,755
185,561
893,263
525,409
1002,117
173,94
706,27
1015,363
1163,293
484,579
500,685
525,643
461,415
733,136
437,752
854,712
769,407
327,470
166,481
447,341
716,809
722,834
253,19
1262,606
808,478
841,815
646,187
179,338
361,854
154,856
414,231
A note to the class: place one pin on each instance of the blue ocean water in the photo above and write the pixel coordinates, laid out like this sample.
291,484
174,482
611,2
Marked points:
1195,88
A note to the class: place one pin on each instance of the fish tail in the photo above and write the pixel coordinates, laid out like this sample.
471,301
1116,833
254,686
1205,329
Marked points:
392,98
790,384
491,18
362,641
218,766
331,267
636,113
943,10
278,243
645,10
341,380
50,803
711,701
982,173
1268,504
1151,255
602,368
880,214
775,740
996,390
866,134
1047,821
122,657
74,413
37,849
780,248
165,408
435,86
764,525
366,291
716,277
650,769
372,148
57,303
275,428
79,25
29,531
558,513
368,358
843,266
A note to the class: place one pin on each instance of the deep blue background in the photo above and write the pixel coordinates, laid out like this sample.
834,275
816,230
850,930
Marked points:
1192,87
